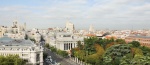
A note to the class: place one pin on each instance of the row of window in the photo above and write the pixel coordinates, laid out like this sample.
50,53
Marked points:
15,49
138,39
69,46
6,54
145,44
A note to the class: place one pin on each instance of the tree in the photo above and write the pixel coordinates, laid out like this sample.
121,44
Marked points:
114,53
135,43
79,45
89,45
126,60
97,56
33,40
47,46
53,49
11,60
120,41
145,50
80,54
137,60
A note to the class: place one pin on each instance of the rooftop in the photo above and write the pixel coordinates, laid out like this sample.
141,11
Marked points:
6,41
138,36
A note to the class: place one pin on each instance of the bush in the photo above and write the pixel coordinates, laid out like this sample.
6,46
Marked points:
53,49
47,46
62,53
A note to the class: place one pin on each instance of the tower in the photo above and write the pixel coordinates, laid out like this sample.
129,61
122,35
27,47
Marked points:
15,24
15,27
69,26
91,29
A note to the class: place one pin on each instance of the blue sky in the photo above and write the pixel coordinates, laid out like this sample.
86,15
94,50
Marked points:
102,14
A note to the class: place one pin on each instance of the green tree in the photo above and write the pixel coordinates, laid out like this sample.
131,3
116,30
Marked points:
62,53
47,46
92,59
79,45
53,49
11,60
135,43
137,60
116,52
145,50
120,41
33,40
89,45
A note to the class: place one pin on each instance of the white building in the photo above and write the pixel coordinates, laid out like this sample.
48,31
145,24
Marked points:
91,29
13,31
69,27
24,48
65,41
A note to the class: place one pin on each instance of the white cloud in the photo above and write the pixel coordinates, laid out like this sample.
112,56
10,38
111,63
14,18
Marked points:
100,10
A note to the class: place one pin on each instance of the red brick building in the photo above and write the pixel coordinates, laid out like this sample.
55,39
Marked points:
144,40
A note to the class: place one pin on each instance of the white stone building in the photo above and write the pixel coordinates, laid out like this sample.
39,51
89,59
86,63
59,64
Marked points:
13,31
91,29
24,48
69,27
65,41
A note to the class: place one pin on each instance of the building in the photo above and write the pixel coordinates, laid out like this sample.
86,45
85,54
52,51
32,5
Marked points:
91,29
65,41
13,31
26,50
69,27
144,40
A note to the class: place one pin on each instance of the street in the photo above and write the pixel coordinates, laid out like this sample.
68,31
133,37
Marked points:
59,59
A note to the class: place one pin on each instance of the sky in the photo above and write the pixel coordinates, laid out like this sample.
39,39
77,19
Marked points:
102,14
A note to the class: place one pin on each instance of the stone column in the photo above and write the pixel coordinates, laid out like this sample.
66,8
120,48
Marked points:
41,58
33,58
72,45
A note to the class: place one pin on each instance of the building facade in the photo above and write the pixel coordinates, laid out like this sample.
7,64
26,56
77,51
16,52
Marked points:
69,27
144,40
16,31
65,41
26,50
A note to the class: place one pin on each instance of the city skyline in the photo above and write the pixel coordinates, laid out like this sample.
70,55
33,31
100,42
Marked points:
103,14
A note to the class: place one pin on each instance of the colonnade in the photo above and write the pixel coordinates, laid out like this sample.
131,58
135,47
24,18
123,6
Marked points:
69,46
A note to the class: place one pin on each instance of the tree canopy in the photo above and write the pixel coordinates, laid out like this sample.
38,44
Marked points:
111,52
11,60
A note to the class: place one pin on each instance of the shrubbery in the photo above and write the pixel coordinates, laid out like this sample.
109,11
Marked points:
59,52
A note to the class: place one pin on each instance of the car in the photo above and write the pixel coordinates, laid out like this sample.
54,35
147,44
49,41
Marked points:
51,60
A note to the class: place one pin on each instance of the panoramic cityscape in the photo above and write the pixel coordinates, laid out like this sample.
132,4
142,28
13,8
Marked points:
75,32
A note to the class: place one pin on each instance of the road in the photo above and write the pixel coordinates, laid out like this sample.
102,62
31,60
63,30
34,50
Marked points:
59,59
